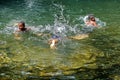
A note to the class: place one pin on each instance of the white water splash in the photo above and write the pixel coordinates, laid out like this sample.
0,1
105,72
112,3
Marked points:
60,26
29,3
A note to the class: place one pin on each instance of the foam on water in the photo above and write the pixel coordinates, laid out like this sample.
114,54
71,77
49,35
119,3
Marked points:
57,27
61,26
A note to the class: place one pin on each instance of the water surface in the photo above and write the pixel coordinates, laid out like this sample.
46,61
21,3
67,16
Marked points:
96,57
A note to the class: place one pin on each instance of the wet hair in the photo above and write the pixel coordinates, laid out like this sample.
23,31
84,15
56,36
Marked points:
92,18
23,23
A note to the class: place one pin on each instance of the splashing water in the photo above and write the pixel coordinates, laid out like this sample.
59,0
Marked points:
71,54
60,27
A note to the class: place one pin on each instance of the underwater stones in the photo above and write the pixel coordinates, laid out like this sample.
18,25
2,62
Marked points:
80,36
2,42
69,72
4,59
25,73
116,77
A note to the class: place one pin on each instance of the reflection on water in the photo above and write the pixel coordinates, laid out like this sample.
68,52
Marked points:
31,58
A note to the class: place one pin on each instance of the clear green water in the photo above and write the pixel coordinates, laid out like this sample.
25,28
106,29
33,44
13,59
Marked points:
95,58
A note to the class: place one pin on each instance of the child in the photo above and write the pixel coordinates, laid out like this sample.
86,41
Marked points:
90,21
20,28
53,41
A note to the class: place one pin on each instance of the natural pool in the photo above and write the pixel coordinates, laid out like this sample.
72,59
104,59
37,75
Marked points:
95,58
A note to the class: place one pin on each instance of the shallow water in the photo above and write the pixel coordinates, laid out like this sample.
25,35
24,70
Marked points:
96,57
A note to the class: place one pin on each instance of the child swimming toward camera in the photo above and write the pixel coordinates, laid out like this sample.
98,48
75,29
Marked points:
90,20
21,28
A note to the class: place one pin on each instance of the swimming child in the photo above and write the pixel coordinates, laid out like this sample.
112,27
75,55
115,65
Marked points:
53,41
90,21
20,28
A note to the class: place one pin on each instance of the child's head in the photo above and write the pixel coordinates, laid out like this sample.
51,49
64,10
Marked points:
21,25
92,18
